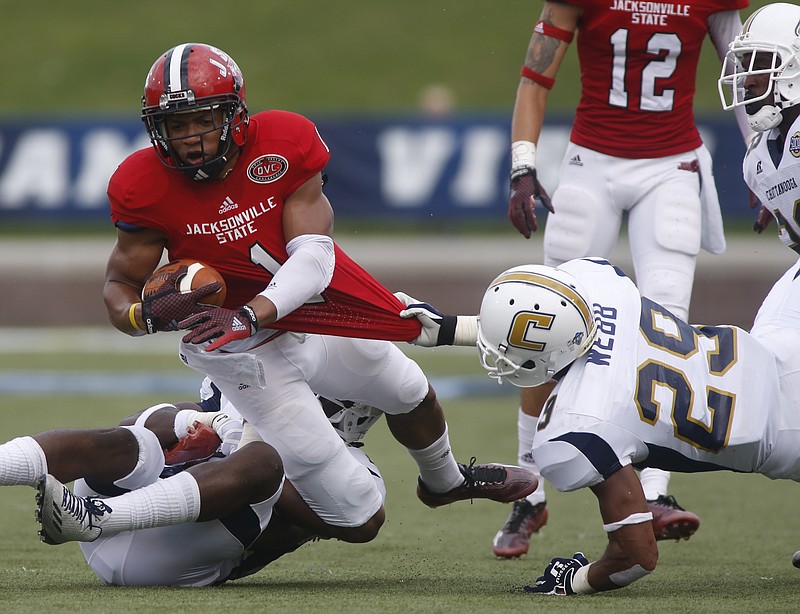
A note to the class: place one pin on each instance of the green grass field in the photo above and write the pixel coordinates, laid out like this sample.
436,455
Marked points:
309,56
423,560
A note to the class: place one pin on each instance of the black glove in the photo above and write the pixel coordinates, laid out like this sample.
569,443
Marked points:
557,578
224,325
526,191
163,309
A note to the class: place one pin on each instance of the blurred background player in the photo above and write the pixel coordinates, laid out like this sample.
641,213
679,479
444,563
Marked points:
762,76
244,194
634,150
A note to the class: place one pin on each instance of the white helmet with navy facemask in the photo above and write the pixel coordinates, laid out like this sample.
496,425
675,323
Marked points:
534,321
769,45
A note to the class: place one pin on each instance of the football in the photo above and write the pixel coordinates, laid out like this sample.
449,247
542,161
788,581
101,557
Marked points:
198,275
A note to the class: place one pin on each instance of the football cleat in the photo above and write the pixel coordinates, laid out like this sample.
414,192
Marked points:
64,517
502,483
514,538
670,520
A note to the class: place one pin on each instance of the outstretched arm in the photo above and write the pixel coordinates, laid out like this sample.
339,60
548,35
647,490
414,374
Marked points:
631,552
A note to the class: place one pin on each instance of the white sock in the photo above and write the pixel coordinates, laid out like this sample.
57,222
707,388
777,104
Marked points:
171,501
438,468
655,483
526,428
22,462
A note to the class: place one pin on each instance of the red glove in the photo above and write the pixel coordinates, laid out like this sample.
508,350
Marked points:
224,325
525,192
165,308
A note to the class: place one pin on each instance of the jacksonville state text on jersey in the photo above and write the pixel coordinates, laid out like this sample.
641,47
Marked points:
638,70
654,391
235,226
772,171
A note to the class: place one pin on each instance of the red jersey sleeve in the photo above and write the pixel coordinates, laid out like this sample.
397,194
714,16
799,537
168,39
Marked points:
355,305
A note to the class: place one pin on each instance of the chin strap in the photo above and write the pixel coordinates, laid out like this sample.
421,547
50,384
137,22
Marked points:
766,118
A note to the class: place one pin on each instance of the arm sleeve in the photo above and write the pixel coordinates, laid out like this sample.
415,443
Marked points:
306,273
722,28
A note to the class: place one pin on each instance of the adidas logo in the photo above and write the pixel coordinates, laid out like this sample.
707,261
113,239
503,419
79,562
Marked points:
576,160
227,205
237,325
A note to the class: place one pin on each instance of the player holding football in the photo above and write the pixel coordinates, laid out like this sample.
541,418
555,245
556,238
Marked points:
634,150
244,195
636,386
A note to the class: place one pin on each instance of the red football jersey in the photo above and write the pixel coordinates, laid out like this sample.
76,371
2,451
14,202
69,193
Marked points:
638,71
235,226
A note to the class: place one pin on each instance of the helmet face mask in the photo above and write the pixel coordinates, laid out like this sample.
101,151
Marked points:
761,70
199,82
534,322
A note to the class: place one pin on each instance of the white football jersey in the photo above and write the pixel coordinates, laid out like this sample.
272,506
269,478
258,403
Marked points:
772,172
654,391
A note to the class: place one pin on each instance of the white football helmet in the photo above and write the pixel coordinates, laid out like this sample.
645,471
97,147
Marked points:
771,33
535,320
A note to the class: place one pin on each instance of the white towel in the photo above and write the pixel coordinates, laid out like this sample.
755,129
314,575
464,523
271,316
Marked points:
240,367
712,233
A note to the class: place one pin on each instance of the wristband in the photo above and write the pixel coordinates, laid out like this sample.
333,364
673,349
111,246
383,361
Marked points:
132,317
580,581
466,332
247,310
523,153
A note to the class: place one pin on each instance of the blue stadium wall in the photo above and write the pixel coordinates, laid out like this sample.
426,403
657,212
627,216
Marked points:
403,168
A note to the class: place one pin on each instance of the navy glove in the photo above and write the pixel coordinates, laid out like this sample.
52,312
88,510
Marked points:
437,328
163,309
223,325
526,191
557,578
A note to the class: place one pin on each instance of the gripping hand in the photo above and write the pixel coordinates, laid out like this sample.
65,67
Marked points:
557,578
437,328
525,192
222,325
163,309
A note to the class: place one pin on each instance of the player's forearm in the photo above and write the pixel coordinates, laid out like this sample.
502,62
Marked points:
306,273
124,308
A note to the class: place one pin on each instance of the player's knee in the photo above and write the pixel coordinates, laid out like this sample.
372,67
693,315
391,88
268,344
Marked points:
366,532
260,469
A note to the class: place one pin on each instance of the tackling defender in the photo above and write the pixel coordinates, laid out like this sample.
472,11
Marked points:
636,386
634,150
223,510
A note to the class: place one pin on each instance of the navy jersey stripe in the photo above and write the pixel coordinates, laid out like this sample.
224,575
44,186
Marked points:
244,525
596,451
